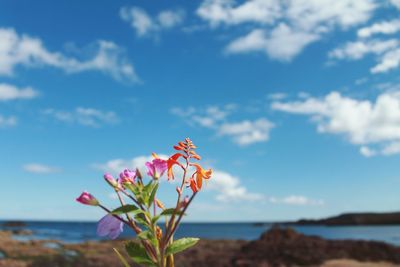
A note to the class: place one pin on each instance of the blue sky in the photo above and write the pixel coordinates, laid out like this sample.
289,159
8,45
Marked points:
295,104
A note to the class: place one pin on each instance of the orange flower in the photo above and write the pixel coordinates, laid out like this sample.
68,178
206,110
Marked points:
201,174
171,162
193,185
194,155
178,148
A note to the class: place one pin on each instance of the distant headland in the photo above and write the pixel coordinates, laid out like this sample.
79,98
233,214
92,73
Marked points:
368,218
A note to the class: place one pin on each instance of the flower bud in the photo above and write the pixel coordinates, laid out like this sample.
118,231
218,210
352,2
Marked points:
159,233
160,204
87,199
110,180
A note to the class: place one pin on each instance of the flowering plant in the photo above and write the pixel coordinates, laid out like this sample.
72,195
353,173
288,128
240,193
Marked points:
154,246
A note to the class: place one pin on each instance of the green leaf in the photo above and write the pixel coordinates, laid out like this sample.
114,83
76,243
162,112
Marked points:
121,258
140,218
133,188
136,189
155,219
148,235
138,253
147,193
153,194
145,235
149,186
169,212
180,245
126,209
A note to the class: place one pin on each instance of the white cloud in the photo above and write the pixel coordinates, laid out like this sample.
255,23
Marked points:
387,53
367,152
361,81
7,121
282,29
396,3
208,117
358,49
218,12
297,200
144,24
308,14
84,116
39,168
314,14
230,189
302,95
243,133
181,112
213,116
384,27
247,132
362,122
277,96
170,18
282,43
24,50
11,92
138,18
391,149
390,60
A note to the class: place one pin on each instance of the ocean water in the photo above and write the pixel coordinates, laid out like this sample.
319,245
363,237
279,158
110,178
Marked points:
83,231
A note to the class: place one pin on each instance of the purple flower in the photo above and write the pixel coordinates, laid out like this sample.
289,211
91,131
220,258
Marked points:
156,168
109,226
127,176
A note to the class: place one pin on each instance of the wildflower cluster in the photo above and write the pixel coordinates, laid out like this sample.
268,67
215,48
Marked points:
154,246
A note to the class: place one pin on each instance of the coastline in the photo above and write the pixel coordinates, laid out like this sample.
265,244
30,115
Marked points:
276,247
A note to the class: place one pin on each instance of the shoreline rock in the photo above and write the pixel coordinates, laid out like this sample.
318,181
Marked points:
286,247
13,224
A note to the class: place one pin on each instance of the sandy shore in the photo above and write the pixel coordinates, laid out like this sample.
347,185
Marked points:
353,263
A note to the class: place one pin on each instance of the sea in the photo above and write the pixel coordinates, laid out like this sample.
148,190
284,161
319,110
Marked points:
75,232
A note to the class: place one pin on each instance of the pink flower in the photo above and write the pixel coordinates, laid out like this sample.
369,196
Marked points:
109,226
110,180
156,168
127,176
87,199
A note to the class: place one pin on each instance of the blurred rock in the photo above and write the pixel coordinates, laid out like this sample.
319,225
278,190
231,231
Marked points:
286,247
12,224
22,232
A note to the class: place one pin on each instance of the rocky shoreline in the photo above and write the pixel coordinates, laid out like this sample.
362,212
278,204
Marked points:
276,247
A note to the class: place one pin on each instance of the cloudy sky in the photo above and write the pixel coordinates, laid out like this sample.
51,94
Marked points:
295,104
